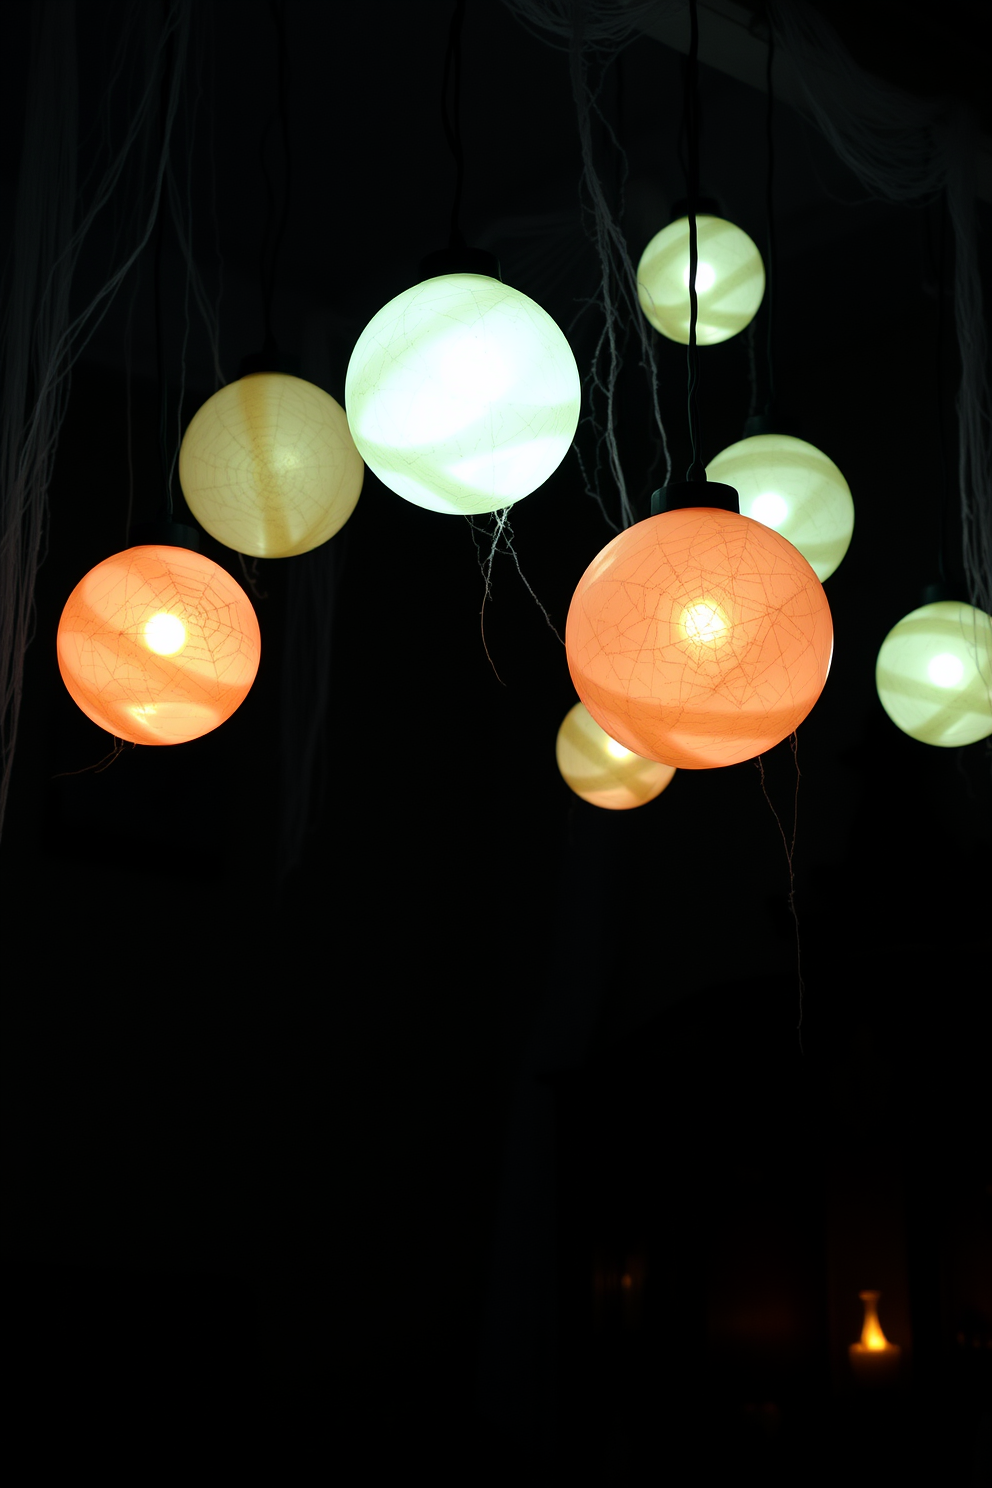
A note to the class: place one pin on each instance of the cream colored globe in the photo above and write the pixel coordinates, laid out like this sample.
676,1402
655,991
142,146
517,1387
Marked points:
602,771
268,466
730,280
462,394
934,674
790,485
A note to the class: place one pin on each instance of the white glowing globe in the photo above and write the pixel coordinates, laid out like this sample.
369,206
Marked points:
462,394
793,487
730,280
934,674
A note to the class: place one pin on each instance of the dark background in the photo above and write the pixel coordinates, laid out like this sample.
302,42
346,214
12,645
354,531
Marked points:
351,1062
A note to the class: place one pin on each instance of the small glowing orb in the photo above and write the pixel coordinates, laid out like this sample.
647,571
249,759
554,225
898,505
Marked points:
705,278
600,770
793,487
140,671
934,674
699,638
704,621
462,394
730,280
268,466
165,634
769,509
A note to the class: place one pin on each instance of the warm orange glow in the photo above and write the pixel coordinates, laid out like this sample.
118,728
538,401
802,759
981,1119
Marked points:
872,1337
699,638
158,645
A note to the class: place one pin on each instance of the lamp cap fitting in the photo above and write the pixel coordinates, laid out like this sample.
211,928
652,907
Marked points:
769,423
166,534
681,494
269,359
705,206
459,260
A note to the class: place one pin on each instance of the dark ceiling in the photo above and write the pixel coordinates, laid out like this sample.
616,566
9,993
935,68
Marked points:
284,1003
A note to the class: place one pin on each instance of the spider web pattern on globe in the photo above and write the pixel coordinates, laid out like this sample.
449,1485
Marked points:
699,638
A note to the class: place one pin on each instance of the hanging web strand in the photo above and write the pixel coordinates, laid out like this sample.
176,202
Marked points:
790,848
594,34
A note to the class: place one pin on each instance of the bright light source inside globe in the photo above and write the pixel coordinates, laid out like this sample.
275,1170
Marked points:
946,670
165,635
705,277
704,622
616,750
769,509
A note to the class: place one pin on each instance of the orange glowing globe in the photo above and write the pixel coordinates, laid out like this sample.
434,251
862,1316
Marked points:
158,645
699,638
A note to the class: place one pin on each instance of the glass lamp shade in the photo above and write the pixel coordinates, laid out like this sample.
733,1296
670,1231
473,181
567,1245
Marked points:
158,645
268,466
730,280
789,485
934,674
600,770
462,394
699,638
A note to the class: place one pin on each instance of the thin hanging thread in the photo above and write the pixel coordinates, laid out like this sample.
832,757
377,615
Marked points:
696,471
163,432
790,848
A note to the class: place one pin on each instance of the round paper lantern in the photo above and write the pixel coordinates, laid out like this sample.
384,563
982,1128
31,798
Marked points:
730,280
158,645
462,394
699,638
790,485
600,770
268,466
934,674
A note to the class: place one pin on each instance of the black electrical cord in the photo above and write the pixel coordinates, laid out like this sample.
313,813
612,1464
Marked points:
771,404
696,471
452,79
165,462
942,545
275,230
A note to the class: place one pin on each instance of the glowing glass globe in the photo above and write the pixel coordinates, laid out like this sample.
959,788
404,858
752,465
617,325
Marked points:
699,638
158,645
791,486
268,466
730,280
934,674
600,770
462,394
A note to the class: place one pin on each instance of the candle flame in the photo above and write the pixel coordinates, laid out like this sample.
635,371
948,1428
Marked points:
872,1337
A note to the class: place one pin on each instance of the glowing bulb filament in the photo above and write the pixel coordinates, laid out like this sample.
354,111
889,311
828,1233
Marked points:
165,634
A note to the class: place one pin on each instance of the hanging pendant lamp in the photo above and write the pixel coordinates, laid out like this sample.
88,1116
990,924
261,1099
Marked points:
268,466
699,637
158,644
730,279
462,394
600,770
792,487
934,674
